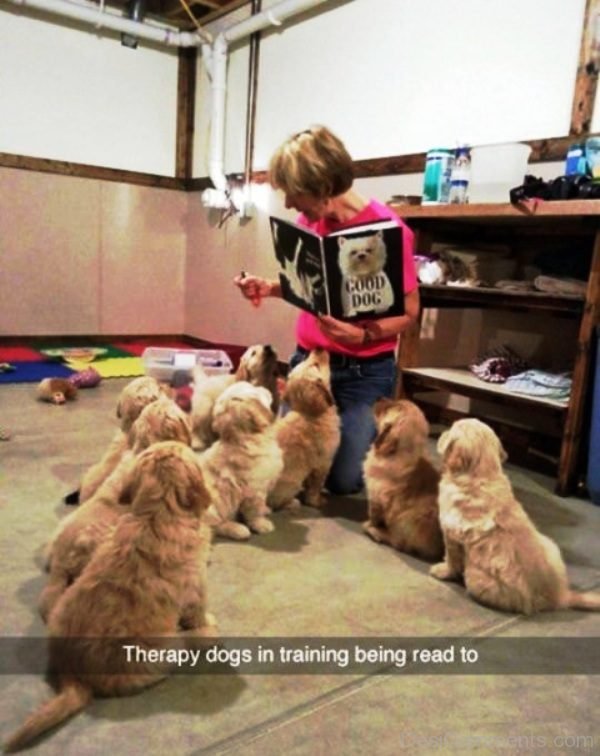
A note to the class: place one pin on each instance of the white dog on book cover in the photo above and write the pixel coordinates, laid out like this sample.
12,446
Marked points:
365,285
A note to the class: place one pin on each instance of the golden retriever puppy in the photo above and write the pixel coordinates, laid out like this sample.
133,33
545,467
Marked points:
79,534
242,466
136,395
56,390
258,366
144,583
490,541
402,483
309,434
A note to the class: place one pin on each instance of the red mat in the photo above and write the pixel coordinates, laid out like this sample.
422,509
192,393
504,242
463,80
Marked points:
20,354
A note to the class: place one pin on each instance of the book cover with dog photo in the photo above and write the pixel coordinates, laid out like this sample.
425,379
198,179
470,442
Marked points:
352,273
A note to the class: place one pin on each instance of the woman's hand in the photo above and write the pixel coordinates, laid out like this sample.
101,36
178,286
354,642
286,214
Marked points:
340,331
255,288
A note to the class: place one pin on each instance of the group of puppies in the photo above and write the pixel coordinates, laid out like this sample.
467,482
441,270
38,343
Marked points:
464,518
131,560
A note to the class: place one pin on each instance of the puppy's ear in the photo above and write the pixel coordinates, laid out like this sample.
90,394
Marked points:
458,457
381,406
386,442
443,442
242,373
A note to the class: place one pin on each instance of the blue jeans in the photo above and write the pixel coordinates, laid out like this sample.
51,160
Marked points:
355,389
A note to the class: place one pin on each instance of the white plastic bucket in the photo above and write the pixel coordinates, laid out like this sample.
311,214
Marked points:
496,169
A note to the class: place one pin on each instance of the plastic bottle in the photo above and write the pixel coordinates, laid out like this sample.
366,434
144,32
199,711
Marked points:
459,178
576,162
436,181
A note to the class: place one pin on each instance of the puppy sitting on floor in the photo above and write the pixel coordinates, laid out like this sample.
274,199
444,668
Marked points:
243,465
309,434
136,395
490,541
80,533
144,583
401,482
258,366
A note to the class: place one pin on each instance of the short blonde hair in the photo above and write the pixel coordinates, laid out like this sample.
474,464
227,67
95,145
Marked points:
313,162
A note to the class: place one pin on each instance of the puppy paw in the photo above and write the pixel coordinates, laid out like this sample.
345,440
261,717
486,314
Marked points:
262,525
234,530
372,531
441,571
316,501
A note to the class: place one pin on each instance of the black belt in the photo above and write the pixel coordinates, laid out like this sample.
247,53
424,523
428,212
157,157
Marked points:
337,360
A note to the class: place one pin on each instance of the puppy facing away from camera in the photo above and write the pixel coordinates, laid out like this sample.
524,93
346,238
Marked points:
309,434
136,395
258,366
490,541
80,533
144,583
402,483
56,390
242,466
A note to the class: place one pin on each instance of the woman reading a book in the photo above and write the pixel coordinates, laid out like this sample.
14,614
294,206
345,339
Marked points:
315,173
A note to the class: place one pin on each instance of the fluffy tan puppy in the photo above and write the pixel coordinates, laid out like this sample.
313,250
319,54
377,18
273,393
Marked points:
80,533
490,541
402,483
56,390
309,434
145,582
136,395
242,466
258,366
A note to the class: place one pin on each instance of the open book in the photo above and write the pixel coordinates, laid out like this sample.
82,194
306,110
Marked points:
352,273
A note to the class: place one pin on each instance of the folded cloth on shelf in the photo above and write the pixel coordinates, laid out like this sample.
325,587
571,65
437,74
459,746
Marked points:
541,383
518,286
560,286
498,365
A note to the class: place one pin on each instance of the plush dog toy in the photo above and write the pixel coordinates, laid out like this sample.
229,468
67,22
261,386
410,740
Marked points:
56,390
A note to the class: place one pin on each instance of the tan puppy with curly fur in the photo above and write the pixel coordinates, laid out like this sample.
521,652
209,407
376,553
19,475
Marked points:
490,541
83,530
258,366
309,434
402,483
243,465
145,582
136,395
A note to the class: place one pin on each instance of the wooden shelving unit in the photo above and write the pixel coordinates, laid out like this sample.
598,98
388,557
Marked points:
539,225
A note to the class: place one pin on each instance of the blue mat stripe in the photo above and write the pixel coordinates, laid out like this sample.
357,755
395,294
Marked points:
32,372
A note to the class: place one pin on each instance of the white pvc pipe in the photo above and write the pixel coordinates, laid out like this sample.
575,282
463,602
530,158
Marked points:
97,17
270,17
217,65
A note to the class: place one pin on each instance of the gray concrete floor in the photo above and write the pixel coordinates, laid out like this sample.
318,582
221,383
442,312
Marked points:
316,575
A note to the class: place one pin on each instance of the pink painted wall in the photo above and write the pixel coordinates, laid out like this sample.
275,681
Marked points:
81,256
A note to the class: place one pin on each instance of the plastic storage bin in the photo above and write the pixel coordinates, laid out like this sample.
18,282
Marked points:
164,364
593,471
496,169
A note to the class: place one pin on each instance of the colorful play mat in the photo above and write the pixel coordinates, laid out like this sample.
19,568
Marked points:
33,362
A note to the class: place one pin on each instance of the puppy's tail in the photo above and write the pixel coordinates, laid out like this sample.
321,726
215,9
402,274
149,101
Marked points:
587,600
72,698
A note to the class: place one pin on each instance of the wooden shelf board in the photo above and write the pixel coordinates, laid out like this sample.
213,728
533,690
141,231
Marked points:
481,212
484,297
463,382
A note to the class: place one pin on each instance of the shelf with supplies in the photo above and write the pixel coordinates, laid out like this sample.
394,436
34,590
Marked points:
558,231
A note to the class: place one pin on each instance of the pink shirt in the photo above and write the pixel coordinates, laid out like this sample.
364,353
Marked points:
308,333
